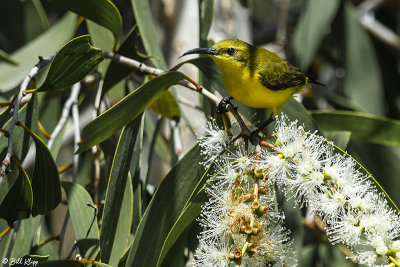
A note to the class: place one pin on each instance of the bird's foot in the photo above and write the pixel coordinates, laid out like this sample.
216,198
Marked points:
222,105
254,137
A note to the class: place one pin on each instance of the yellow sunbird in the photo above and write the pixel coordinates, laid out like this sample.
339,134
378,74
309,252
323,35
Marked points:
255,76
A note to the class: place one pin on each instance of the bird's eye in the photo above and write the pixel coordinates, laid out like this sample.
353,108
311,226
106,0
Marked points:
231,51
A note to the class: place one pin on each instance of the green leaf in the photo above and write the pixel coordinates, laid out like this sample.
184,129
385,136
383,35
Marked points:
167,106
23,241
188,215
117,212
116,72
45,180
83,218
103,39
164,209
296,111
144,20
365,127
311,29
206,12
126,110
339,138
28,115
103,12
73,62
17,204
383,162
35,19
27,56
4,57
363,81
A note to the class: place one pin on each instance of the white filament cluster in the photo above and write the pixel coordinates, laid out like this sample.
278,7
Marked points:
303,165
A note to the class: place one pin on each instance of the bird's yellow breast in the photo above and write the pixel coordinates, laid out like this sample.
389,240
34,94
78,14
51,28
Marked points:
244,85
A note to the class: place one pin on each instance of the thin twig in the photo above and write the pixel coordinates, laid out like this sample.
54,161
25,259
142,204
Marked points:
64,115
6,162
75,117
95,149
134,64
375,27
77,133
177,137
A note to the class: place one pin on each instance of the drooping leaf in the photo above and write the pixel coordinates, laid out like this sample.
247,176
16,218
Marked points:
27,56
71,64
17,204
311,29
83,218
117,212
360,58
144,20
45,180
164,209
126,110
103,12
362,126
4,57
167,106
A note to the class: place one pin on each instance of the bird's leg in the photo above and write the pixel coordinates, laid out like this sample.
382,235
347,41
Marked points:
222,105
254,136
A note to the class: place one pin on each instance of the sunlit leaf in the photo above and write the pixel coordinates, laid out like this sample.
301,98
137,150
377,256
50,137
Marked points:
71,64
117,212
83,218
126,110
190,212
164,209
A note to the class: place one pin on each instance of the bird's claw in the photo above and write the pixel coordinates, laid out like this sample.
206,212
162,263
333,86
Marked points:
222,105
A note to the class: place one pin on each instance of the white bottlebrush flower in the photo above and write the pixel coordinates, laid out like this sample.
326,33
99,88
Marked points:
214,141
354,212
240,218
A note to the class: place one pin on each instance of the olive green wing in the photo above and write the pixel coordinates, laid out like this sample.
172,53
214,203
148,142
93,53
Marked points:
279,74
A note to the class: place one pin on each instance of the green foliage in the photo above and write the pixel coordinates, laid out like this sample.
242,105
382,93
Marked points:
71,64
147,186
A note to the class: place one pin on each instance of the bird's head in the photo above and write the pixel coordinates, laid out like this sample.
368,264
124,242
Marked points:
227,51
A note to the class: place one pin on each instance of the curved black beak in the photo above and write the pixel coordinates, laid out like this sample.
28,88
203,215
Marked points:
209,51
